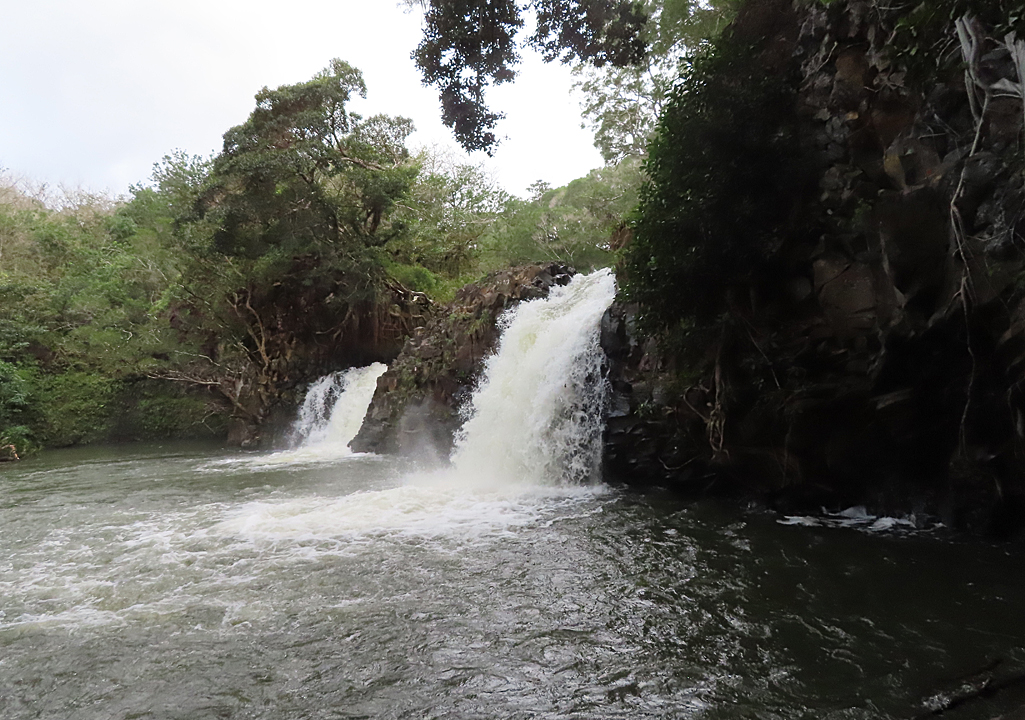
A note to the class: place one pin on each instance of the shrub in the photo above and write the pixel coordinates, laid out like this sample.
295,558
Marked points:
75,407
724,171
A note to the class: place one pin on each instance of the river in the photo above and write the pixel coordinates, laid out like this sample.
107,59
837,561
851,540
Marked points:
183,582
192,582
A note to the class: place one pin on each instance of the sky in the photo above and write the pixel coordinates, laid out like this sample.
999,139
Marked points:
94,92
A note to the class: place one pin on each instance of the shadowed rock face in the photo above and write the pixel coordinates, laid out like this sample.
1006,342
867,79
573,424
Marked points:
416,407
884,363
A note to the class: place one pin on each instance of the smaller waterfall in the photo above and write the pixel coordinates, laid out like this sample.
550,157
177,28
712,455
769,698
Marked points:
333,410
329,419
537,416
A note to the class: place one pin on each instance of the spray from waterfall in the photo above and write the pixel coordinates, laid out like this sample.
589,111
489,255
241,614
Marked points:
537,415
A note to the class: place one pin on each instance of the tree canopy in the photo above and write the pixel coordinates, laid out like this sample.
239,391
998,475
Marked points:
621,105
469,45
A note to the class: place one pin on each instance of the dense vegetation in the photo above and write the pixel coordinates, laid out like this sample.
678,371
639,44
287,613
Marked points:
723,173
217,287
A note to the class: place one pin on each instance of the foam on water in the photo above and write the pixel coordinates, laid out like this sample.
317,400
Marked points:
212,559
427,506
859,518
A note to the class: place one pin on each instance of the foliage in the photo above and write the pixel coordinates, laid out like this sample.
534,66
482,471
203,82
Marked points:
724,170
15,408
77,288
622,104
285,235
439,224
74,407
469,45
303,173
572,225
151,410
923,41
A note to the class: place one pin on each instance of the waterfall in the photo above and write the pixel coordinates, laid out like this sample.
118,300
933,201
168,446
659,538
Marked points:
334,407
537,414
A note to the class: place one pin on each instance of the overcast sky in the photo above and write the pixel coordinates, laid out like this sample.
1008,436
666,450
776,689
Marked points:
94,92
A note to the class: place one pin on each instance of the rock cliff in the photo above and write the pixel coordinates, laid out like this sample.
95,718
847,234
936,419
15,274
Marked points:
879,359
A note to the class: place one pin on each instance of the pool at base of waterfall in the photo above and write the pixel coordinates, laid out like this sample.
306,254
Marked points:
188,582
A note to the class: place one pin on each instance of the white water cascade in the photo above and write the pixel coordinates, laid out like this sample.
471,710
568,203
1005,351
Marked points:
537,415
529,446
333,410
329,419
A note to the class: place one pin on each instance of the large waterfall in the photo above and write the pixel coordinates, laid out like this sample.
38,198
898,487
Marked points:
536,416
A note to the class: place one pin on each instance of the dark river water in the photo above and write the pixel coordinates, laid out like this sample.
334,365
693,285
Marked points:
183,582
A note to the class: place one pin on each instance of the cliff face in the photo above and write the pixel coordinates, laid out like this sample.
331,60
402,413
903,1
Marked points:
416,406
881,359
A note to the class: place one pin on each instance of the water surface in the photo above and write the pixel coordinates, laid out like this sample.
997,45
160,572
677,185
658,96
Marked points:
187,582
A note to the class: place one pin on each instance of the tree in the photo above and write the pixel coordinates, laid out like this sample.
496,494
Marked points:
621,105
438,227
283,248
578,224
469,45
303,170
726,177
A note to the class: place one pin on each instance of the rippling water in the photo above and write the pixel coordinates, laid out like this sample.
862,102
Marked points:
187,583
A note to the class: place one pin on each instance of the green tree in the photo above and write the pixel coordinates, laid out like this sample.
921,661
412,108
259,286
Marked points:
469,45
284,243
438,227
621,105
578,224
15,410
303,170
725,175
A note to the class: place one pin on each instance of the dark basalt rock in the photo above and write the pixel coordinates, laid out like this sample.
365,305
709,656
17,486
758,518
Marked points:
883,366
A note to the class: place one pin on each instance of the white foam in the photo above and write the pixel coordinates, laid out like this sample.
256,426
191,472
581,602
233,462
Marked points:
435,505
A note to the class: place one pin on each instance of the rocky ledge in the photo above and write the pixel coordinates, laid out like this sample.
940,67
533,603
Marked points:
880,361
416,407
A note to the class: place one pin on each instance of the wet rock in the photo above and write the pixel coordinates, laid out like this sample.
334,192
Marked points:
415,409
